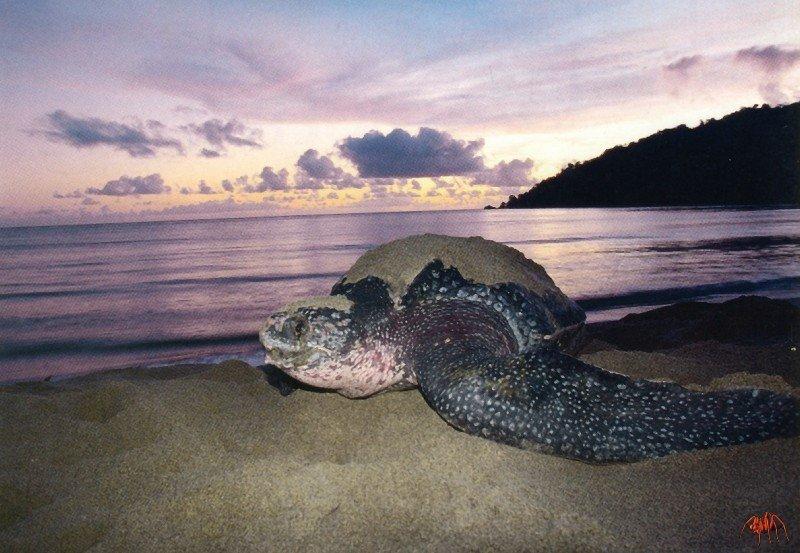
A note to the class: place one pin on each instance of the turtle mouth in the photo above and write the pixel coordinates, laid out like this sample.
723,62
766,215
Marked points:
281,355
292,357
275,357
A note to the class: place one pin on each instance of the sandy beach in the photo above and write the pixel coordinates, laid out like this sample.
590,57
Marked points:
211,457
298,277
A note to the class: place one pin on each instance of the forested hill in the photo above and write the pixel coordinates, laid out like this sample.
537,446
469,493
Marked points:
750,157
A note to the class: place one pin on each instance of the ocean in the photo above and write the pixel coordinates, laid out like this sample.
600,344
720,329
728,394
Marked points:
82,298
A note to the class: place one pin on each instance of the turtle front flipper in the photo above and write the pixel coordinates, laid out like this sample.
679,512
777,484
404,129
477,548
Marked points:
545,400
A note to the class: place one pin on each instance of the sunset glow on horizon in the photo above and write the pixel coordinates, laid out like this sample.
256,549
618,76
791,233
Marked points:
198,109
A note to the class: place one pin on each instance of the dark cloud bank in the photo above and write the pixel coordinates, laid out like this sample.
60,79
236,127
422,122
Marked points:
382,160
430,153
137,140
146,140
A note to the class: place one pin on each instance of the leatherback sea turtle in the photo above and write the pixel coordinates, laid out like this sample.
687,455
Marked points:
477,327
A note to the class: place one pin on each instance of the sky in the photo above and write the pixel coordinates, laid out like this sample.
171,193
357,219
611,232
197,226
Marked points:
150,110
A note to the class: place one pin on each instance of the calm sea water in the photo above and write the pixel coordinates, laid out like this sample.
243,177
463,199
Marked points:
81,298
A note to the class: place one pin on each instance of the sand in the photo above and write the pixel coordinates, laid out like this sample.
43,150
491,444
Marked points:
198,458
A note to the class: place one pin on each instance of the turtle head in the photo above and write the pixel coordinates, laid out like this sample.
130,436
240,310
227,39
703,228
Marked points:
307,339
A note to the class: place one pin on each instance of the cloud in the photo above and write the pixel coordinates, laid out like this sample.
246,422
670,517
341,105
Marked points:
132,186
305,182
73,194
318,167
443,183
269,180
136,140
220,133
386,182
242,182
684,65
774,94
480,77
348,181
430,153
316,172
205,152
89,201
770,59
471,83
184,109
773,62
204,188
214,208
507,174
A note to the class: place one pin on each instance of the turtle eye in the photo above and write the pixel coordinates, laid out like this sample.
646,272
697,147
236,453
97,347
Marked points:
299,327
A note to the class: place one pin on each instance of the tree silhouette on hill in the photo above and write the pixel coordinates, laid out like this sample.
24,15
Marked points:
750,157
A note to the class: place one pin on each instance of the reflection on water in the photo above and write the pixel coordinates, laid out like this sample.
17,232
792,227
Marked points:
76,298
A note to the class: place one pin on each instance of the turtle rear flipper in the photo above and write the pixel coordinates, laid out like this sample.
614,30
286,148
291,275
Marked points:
543,399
